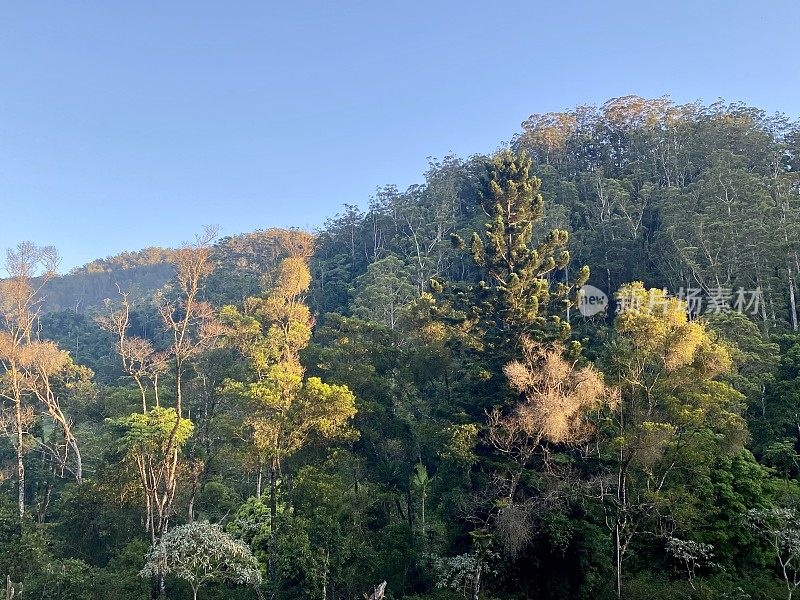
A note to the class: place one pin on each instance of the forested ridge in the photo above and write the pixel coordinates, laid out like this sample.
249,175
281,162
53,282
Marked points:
418,393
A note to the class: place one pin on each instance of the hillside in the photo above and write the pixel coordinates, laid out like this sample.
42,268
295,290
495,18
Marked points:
414,394
687,197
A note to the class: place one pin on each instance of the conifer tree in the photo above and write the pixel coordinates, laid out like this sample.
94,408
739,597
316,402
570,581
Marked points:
517,273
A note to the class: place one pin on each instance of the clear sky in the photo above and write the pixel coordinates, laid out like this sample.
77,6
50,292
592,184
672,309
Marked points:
125,124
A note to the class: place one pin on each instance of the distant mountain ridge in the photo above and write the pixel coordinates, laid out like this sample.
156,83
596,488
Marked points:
85,288
242,261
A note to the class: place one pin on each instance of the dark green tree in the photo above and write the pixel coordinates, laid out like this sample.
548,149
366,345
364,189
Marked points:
521,279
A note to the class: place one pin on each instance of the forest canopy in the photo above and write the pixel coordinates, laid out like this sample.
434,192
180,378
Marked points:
420,394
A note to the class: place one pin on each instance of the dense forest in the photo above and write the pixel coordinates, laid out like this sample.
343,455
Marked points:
420,395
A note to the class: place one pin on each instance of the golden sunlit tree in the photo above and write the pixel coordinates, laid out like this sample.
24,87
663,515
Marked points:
35,373
556,398
285,408
674,409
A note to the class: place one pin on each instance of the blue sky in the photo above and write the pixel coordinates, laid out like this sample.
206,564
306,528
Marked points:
129,124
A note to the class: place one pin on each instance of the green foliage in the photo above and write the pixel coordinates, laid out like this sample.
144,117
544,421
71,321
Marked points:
384,291
343,430
515,289
152,431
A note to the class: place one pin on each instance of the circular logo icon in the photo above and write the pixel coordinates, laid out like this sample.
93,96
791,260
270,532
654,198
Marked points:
591,301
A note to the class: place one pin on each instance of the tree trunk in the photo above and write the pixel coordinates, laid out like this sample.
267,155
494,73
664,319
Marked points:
273,516
159,590
78,459
20,462
44,504
325,575
410,509
618,558
792,302
423,513
476,580
621,508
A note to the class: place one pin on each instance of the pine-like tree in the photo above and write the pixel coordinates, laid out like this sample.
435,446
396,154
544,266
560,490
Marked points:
521,279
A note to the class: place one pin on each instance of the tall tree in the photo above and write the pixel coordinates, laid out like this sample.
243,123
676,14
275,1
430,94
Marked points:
383,291
556,396
518,276
29,267
155,437
675,411
285,408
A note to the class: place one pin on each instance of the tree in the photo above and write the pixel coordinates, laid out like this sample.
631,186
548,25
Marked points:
463,573
29,365
285,409
151,441
48,373
201,553
755,367
676,417
426,215
383,291
555,398
691,554
780,528
191,328
138,356
421,481
515,292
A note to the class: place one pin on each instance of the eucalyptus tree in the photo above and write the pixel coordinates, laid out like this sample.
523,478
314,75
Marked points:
384,291
675,418
153,439
30,365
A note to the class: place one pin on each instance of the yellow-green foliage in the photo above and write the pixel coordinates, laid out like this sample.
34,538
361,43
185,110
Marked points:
659,330
285,407
151,431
